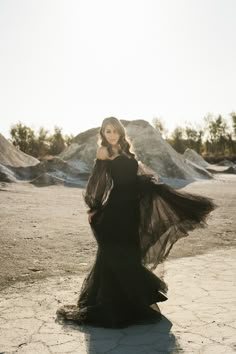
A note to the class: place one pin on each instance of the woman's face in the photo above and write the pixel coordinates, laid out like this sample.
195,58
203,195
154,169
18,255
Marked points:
111,134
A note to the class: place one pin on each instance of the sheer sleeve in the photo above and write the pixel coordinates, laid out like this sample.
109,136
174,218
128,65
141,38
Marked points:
166,215
98,186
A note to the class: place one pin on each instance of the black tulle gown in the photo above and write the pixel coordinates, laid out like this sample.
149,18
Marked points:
120,289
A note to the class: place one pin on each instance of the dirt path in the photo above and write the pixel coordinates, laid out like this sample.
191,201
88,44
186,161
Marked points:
44,231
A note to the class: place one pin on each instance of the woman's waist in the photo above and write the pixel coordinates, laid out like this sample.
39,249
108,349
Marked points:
131,187
124,192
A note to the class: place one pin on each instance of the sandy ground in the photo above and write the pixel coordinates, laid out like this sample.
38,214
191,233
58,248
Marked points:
44,231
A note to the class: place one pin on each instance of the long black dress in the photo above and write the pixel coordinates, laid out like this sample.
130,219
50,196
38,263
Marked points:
137,222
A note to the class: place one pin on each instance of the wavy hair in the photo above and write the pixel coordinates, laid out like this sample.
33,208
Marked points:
124,143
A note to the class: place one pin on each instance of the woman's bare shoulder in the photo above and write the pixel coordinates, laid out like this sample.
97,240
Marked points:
102,153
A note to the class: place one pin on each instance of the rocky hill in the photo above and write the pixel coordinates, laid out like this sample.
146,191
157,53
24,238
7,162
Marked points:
74,164
149,147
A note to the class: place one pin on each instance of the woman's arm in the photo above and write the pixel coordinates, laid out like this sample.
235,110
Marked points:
99,183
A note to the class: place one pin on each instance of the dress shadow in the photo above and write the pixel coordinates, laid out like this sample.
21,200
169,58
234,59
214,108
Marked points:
143,338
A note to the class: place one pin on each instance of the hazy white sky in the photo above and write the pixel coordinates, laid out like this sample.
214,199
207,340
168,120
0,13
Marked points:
72,63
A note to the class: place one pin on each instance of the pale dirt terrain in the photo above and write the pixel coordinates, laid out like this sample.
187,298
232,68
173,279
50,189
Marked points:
44,231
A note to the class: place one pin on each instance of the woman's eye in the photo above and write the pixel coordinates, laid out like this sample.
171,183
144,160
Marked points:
109,132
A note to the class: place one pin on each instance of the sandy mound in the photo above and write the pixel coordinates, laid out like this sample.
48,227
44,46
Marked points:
83,150
47,180
55,168
195,157
11,156
226,163
222,167
199,168
156,153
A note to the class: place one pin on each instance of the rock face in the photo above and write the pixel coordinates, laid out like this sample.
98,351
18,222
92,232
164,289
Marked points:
11,156
149,147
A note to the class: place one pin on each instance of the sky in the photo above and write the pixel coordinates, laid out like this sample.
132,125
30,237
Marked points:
73,63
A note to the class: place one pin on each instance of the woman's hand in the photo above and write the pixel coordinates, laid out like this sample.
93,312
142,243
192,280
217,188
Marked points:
90,215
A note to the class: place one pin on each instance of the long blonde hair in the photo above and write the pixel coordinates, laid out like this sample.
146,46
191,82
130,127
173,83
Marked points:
123,142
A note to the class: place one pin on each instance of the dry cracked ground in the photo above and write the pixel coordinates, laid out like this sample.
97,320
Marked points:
47,247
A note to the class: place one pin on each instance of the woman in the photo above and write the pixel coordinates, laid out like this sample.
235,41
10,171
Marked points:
135,221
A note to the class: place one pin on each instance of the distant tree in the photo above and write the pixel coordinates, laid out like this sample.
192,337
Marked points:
218,136
42,142
177,140
233,117
23,137
159,125
68,139
217,129
56,142
230,144
193,138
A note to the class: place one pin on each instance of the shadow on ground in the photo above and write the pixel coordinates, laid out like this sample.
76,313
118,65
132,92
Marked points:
138,339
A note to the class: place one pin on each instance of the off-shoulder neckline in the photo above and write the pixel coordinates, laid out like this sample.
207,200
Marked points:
130,158
114,158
